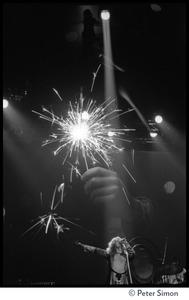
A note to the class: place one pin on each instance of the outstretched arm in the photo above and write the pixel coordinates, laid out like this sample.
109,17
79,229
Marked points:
92,249
86,248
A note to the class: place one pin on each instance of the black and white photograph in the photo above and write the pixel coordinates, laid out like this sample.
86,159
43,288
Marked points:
94,145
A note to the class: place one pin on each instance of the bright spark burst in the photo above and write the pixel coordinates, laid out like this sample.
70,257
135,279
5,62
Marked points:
52,219
87,133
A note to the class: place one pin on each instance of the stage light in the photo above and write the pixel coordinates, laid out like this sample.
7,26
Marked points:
158,119
153,134
169,187
105,15
5,103
155,7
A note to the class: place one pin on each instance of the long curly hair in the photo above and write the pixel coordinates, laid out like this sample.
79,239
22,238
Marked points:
111,249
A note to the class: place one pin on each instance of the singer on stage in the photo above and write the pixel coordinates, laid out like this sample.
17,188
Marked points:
118,254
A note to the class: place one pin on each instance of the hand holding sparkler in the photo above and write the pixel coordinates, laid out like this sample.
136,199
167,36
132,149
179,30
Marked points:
104,187
106,190
122,211
87,136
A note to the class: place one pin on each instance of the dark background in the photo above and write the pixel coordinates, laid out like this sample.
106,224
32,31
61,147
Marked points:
43,49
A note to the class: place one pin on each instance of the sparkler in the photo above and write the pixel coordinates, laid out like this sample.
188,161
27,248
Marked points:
86,133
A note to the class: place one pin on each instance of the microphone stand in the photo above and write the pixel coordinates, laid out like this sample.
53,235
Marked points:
130,277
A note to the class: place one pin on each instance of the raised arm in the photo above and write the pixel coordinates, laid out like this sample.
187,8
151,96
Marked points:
128,248
107,191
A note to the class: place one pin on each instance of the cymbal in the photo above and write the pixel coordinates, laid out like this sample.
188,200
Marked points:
169,269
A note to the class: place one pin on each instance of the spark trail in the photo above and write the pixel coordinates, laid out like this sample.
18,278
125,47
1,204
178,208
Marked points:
53,220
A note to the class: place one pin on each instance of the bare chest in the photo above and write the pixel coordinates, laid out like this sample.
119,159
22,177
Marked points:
118,263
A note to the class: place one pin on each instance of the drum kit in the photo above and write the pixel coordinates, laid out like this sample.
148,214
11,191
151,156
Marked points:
147,267
170,274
